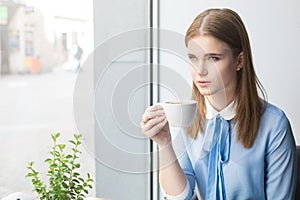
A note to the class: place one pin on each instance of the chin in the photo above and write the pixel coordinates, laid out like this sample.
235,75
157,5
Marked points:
205,92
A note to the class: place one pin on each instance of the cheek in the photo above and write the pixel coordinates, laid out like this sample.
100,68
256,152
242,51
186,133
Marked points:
228,73
192,71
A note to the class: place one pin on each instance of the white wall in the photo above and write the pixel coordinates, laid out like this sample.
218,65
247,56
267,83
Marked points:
273,28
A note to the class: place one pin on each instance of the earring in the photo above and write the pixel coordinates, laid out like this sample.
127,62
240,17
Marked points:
239,68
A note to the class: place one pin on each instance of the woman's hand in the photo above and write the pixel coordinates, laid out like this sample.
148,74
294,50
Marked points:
155,126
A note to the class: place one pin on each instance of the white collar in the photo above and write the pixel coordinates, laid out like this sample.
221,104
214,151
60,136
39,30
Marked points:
227,113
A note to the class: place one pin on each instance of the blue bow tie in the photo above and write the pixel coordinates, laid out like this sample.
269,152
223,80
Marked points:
219,154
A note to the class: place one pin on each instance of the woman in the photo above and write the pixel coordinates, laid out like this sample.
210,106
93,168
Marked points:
239,146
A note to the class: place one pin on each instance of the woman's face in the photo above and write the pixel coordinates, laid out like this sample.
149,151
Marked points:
213,67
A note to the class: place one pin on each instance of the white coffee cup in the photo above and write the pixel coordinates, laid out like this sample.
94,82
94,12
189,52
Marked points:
180,113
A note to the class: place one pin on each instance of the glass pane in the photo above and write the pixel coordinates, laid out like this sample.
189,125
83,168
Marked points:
43,44
121,95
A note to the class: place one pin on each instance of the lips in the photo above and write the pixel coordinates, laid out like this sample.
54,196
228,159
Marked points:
203,83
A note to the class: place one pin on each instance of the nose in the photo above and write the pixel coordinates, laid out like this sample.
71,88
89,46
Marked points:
201,68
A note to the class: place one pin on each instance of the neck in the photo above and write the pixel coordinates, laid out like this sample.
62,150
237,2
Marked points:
220,100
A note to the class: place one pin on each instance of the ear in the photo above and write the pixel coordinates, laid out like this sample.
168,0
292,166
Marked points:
239,64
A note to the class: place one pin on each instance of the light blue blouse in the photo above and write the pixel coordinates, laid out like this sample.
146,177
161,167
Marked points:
217,166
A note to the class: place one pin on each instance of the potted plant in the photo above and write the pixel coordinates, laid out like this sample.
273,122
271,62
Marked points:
64,180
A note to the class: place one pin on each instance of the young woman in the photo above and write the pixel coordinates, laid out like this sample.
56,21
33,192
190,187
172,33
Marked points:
239,146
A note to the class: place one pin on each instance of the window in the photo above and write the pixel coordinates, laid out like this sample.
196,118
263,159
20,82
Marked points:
37,78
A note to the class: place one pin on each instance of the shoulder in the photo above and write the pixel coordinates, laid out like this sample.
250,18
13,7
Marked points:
275,126
274,114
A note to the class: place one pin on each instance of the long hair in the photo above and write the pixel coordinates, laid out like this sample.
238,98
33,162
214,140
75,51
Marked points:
227,26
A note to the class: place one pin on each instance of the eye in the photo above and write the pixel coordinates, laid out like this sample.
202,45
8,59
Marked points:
213,58
192,58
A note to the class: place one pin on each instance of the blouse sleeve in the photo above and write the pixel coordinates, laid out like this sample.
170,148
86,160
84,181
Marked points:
281,161
184,195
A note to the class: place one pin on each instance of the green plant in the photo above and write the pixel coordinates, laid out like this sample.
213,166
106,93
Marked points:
64,181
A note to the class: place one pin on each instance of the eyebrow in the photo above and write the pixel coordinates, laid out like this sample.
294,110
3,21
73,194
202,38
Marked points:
208,54
213,54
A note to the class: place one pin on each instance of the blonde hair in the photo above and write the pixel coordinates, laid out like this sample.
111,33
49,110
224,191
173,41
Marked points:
227,26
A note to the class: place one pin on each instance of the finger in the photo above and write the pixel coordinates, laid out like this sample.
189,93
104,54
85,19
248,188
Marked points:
152,114
154,108
152,122
156,129
151,125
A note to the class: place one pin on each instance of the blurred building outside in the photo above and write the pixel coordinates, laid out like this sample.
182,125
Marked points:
36,40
